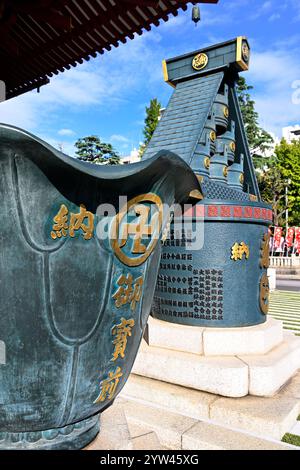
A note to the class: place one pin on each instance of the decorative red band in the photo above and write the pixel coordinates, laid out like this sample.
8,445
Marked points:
237,212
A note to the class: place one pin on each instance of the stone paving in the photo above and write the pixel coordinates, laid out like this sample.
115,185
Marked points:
285,306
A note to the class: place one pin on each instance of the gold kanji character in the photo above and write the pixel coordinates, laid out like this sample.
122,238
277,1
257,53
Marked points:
61,223
109,385
238,250
76,223
245,250
129,292
121,333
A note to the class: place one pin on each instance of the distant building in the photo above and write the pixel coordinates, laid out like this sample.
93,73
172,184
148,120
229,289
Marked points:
291,133
161,112
132,158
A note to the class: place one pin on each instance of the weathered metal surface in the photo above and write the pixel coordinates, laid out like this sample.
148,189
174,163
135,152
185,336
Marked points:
73,306
219,284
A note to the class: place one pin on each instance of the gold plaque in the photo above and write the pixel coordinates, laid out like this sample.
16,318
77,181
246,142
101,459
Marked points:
242,178
242,53
200,61
225,171
232,146
226,112
264,253
264,293
213,136
207,163
245,51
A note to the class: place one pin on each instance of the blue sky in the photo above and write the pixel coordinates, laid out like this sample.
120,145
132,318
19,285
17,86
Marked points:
107,95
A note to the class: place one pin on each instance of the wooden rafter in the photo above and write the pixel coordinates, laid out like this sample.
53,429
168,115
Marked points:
39,38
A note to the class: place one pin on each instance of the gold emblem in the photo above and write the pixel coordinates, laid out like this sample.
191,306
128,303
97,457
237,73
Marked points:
226,112
206,162
232,146
129,291
238,250
265,259
200,61
109,385
149,224
121,333
242,53
213,136
264,293
245,52
61,225
242,178
225,171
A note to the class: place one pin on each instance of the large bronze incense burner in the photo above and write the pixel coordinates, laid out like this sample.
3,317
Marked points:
74,302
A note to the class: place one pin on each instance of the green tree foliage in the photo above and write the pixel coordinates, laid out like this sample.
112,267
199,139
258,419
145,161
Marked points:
283,170
288,163
91,149
272,188
151,121
259,140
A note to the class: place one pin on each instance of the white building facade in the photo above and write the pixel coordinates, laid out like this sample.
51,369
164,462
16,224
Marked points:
291,133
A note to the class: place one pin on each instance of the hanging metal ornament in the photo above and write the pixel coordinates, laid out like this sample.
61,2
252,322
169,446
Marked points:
196,14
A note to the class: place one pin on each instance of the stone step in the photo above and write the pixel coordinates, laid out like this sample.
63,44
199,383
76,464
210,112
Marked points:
269,417
177,432
258,339
221,375
169,427
143,438
148,441
206,436
268,373
229,376
114,431
174,398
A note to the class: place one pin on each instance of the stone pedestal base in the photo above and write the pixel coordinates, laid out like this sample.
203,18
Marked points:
201,420
231,362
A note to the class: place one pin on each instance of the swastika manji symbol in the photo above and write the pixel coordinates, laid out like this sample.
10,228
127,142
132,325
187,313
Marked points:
133,241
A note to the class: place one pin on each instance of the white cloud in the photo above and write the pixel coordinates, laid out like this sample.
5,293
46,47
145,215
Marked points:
175,22
265,8
64,146
118,138
274,17
67,132
273,74
212,19
295,5
20,112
